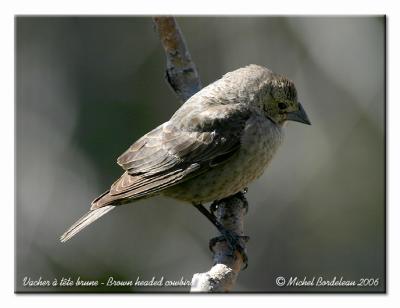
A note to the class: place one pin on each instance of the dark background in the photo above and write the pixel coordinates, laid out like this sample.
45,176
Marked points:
88,87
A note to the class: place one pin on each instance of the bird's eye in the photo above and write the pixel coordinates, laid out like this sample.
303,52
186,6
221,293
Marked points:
281,106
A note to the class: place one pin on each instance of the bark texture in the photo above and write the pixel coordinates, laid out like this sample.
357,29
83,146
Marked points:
181,72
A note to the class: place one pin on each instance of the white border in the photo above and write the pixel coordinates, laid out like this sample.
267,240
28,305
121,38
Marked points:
216,7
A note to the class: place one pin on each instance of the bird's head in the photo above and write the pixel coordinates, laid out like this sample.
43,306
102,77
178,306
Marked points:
280,102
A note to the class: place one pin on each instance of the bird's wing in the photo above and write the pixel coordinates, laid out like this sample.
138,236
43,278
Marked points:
169,155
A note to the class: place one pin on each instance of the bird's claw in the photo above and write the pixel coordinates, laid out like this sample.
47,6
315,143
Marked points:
241,195
214,207
234,242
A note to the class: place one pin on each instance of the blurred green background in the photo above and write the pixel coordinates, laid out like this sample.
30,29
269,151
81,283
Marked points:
88,87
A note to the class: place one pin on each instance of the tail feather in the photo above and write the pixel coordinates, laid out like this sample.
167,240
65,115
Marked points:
84,221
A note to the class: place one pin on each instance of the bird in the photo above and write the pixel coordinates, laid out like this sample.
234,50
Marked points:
218,142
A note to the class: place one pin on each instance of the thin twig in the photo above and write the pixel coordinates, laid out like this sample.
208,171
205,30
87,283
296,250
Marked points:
182,76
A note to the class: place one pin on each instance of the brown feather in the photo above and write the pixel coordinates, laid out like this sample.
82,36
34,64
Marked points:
169,155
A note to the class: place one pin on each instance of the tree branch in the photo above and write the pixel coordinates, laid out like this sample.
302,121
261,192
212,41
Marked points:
222,276
182,76
181,72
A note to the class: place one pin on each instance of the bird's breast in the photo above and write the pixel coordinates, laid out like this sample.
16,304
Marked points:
259,142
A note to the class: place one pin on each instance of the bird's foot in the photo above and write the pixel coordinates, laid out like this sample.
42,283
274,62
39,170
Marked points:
241,195
235,243
214,207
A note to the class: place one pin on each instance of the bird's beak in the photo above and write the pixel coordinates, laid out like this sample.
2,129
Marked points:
299,116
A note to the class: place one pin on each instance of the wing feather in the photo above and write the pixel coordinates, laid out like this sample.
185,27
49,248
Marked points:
170,154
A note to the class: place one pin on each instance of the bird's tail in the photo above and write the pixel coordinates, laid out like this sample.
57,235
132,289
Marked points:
85,220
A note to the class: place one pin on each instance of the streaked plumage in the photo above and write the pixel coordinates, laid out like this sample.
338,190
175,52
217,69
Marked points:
219,141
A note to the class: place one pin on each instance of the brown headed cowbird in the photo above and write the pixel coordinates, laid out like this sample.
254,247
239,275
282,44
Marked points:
215,144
